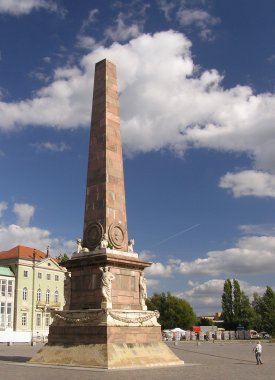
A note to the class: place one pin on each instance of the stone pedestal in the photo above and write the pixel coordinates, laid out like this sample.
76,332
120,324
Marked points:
91,333
106,339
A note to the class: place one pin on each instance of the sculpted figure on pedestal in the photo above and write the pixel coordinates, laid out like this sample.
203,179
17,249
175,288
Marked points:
80,248
142,289
106,283
67,290
131,244
104,242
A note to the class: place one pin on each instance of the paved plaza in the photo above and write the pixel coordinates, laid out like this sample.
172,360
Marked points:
223,361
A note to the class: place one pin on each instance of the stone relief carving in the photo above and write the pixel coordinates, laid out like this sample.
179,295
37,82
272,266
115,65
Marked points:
93,235
116,235
106,284
67,290
103,317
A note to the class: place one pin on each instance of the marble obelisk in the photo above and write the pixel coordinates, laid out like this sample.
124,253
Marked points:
105,211
106,323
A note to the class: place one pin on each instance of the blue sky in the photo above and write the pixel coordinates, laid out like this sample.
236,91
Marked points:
197,102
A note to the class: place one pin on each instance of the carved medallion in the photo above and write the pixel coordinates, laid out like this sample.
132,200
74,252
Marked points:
116,235
93,235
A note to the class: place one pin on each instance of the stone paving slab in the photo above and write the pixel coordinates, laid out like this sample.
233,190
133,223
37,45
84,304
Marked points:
207,361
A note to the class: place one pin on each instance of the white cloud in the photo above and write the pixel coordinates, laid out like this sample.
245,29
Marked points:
13,235
206,297
252,255
3,207
53,147
146,255
152,283
23,7
90,20
181,107
258,229
121,31
2,153
24,213
86,42
249,183
22,234
166,7
158,269
199,18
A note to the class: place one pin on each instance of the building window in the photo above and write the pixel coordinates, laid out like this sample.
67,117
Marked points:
47,319
56,277
48,296
26,273
48,276
38,319
24,319
56,296
38,295
39,275
9,314
2,314
25,294
9,288
3,287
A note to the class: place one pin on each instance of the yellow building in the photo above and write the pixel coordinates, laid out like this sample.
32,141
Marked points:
39,288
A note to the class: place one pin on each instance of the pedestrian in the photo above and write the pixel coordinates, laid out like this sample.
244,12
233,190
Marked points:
258,352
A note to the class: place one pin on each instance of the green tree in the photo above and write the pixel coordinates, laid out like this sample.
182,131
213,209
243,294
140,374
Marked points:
63,259
174,311
237,301
227,304
236,307
265,307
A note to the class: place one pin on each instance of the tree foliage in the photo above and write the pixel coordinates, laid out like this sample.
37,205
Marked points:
174,311
236,307
265,308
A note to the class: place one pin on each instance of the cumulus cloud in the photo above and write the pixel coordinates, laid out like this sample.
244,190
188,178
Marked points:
24,213
182,107
146,255
252,255
3,208
158,269
258,229
24,7
249,182
50,146
206,297
13,235
23,234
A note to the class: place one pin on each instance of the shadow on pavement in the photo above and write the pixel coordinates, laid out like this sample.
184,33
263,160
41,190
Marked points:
17,359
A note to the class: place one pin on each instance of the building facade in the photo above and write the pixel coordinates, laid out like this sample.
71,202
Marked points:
38,289
7,286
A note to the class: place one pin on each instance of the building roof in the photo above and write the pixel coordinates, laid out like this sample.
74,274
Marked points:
6,271
22,252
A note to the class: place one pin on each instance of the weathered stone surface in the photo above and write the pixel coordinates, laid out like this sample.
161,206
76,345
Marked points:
110,355
105,195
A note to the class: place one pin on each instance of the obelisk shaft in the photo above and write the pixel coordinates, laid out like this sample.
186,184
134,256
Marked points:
105,210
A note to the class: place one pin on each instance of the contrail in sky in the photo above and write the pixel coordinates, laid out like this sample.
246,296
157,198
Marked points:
177,234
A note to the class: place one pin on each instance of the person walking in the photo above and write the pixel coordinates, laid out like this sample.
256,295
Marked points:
258,352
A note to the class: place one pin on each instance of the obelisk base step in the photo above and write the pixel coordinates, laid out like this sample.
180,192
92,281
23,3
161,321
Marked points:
108,356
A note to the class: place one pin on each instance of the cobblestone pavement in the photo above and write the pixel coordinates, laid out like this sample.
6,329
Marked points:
213,361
